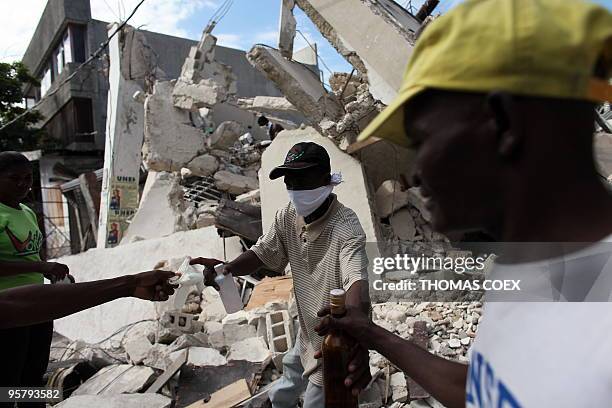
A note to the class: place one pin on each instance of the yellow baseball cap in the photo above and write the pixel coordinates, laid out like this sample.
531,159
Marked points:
546,48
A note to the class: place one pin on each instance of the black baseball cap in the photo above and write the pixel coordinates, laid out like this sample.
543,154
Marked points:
302,156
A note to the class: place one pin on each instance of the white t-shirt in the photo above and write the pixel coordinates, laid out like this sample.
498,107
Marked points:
548,353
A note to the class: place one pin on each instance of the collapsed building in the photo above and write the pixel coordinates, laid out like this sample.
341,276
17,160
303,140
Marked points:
206,193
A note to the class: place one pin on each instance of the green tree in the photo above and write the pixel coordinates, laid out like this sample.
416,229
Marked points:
21,135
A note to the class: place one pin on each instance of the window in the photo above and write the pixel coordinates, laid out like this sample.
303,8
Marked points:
78,35
66,46
83,119
45,82
59,59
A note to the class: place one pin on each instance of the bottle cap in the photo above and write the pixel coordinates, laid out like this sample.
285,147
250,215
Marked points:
336,301
219,268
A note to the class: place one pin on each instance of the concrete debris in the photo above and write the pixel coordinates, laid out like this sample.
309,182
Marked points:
398,387
205,220
418,201
287,29
390,197
137,349
403,224
226,135
253,350
187,341
157,356
252,197
234,183
214,331
280,335
205,357
117,379
301,87
121,400
371,397
193,97
97,356
385,22
162,118
162,210
269,105
203,166
212,306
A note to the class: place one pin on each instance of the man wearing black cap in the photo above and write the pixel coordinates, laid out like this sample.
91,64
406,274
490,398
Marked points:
272,128
324,243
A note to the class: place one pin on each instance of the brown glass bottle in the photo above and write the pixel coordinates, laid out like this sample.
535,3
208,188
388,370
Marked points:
336,353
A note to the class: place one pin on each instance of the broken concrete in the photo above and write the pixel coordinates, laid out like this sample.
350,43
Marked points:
162,118
418,201
390,197
162,209
235,183
203,166
117,379
403,224
205,357
253,350
121,400
212,306
137,349
399,387
287,26
366,45
98,322
226,135
300,86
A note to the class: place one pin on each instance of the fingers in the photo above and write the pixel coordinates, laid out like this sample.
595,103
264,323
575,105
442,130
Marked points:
323,327
359,369
318,354
324,312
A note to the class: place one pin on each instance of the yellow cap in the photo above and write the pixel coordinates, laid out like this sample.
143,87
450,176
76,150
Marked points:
546,48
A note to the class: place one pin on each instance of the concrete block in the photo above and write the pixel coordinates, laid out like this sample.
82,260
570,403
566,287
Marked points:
390,197
162,119
214,330
156,357
416,199
212,306
399,387
235,183
403,225
121,400
280,335
226,135
205,357
234,333
204,165
194,96
137,349
117,379
253,350
189,340
240,317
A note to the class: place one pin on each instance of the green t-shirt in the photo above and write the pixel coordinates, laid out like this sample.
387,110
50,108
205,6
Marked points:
20,240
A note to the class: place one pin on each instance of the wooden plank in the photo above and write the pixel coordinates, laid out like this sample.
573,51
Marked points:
421,339
227,397
269,289
355,147
168,374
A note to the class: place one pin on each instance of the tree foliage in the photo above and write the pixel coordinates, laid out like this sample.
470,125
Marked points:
21,135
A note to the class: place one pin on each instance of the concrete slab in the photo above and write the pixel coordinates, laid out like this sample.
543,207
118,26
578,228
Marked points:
122,400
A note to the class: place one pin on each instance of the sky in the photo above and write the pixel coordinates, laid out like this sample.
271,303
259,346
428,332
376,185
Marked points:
247,22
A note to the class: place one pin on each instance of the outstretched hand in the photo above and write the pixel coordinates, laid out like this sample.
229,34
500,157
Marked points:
154,285
209,270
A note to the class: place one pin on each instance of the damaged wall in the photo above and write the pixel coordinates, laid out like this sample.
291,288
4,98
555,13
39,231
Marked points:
366,45
97,323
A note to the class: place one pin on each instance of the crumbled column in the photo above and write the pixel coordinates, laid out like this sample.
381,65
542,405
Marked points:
287,28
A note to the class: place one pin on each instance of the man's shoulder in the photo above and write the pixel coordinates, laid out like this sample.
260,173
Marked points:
347,221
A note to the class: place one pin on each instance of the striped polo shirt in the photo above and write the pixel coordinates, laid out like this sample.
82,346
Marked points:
326,254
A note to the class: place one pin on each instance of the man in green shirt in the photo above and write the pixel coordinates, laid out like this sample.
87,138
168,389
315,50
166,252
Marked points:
25,349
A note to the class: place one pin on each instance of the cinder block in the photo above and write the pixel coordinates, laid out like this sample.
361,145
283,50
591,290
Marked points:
185,322
280,335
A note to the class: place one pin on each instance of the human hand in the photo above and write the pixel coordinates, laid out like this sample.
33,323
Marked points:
154,285
209,269
354,323
54,271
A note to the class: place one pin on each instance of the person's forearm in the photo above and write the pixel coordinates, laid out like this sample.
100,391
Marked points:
32,304
9,268
245,264
358,296
443,379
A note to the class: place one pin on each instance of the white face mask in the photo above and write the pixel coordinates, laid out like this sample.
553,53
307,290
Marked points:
306,201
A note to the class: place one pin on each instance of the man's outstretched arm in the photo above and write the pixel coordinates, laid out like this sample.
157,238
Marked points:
32,304
443,379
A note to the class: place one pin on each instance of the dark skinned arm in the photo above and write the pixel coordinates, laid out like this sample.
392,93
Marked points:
244,264
32,304
48,269
445,380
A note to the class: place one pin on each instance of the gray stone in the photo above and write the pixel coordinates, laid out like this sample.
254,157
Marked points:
204,165
137,349
156,357
214,330
205,357
399,388
212,306
226,135
403,225
117,379
454,343
189,340
253,350
121,400
235,183
416,199
205,220
390,197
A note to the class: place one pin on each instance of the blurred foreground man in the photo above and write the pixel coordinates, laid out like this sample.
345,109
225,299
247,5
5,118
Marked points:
324,244
498,100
